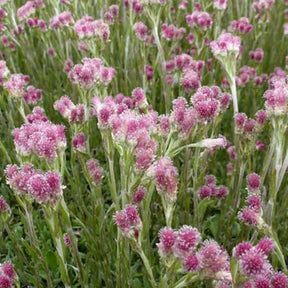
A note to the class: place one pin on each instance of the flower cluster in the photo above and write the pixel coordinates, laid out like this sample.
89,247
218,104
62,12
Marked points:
277,99
128,221
255,267
226,45
91,73
26,10
165,175
199,19
95,171
16,85
251,214
170,32
220,4
8,276
87,27
208,102
241,26
42,187
210,190
42,138
210,261
63,19
257,55
74,113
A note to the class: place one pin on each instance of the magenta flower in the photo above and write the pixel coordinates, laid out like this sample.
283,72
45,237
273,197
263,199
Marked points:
26,10
63,19
191,263
95,171
253,182
128,221
166,177
167,238
44,139
16,84
220,4
186,242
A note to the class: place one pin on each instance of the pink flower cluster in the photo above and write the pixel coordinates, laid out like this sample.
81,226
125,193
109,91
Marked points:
210,190
138,195
128,221
16,84
211,261
166,177
257,55
111,15
226,45
191,69
87,27
74,113
26,10
130,127
79,142
249,127
95,171
41,138
63,19
277,98
241,26
4,71
37,115
170,32
8,275
220,4
36,23
42,187
32,95
199,19
4,207
251,214
91,73
208,102
255,266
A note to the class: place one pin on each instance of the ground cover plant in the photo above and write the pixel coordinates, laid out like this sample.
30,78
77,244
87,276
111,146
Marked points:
143,143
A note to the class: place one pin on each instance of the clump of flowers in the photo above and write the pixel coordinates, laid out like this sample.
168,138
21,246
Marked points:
63,19
95,171
220,4
90,73
254,267
42,187
257,55
87,27
26,10
241,26
199,19
210,190
128,221
251,214
16,84
210,261
208,102
74,113
8,276
165,175
42,138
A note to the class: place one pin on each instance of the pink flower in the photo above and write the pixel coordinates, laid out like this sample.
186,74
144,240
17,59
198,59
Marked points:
33,95
5,282
67,240
95,171
167,238
87,27
252,262
253,182
16,84
186,242
60,20
241,26
138,195
266,245
140,30
225,45
220,4
214,261
200,19
43,139
128,221
166,177
279,281
4,207
191,263
79,142
26,10
241,249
